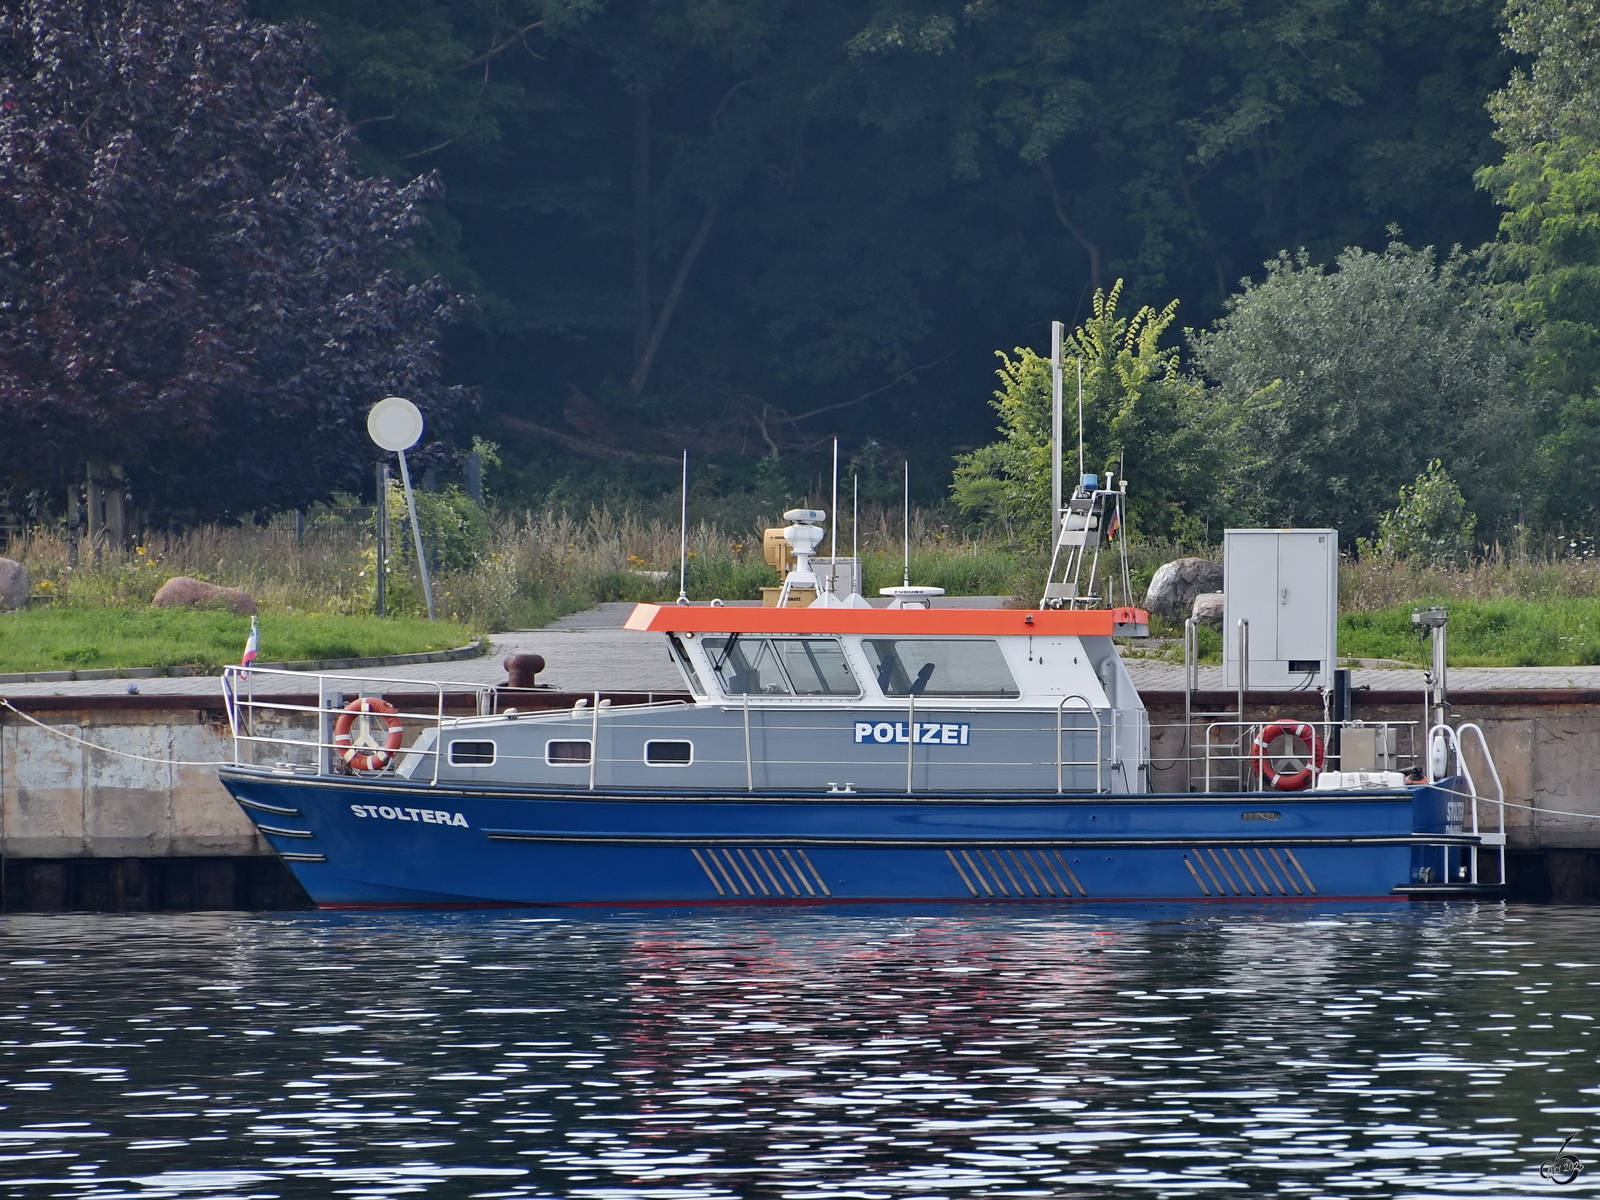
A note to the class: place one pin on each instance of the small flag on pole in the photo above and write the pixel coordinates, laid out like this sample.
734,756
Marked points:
251,647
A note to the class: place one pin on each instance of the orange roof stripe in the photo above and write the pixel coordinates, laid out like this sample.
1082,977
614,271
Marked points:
973,622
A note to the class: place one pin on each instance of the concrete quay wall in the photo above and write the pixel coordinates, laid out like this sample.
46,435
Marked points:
83,828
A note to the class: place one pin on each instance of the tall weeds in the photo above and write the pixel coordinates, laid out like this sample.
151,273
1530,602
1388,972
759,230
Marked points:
534,566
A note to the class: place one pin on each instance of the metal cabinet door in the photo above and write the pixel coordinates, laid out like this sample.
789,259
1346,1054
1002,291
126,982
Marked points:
1306,592
1250,573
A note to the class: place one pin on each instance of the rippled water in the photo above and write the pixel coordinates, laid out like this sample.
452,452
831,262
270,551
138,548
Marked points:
1394,1051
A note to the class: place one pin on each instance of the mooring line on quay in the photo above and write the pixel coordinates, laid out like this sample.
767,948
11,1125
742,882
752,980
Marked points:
169,762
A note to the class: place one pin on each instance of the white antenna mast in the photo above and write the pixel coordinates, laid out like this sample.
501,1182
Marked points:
855,518
683,536
906,538
833,528
1057,330
1080,422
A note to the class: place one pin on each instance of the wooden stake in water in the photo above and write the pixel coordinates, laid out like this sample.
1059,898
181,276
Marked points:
683,536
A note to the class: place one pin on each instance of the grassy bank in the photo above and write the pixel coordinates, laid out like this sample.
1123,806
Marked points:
1560,632
526,569
1484,633
84,638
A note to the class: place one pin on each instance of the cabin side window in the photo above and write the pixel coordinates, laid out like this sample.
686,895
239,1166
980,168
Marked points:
747,666
945,667
567,754
817,667
758,666
471,754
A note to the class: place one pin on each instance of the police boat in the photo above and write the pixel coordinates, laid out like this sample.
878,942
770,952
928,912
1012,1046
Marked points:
840,753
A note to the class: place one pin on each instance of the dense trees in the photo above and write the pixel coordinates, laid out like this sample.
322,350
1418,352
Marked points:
747,224
194,286
1343,384
1548,118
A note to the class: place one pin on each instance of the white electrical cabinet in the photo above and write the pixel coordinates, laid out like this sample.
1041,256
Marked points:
1285,583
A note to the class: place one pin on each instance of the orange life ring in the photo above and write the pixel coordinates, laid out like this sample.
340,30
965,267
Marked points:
363,752
1287,781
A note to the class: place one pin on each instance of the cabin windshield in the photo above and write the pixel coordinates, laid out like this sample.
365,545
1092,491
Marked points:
943,667
758,666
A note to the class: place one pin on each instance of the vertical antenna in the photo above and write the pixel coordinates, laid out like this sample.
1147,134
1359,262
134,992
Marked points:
833,525
683,536
906,539
855,519
1080,421
1057,330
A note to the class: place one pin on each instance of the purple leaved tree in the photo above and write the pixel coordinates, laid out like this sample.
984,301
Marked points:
194,283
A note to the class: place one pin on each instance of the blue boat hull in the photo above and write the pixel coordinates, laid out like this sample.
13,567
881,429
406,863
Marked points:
376,843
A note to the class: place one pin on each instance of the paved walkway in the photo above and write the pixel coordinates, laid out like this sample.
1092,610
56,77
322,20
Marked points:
590,651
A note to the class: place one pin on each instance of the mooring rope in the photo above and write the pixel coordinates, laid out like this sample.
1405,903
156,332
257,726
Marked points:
170,762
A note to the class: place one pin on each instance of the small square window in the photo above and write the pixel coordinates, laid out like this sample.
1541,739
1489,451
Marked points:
567,754
471,754
669,754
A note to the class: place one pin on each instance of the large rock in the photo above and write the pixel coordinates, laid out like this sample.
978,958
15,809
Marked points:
1175,585
182,592
13,584
1208,609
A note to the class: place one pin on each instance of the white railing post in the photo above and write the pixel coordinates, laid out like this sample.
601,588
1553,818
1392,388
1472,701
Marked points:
594,738
911,737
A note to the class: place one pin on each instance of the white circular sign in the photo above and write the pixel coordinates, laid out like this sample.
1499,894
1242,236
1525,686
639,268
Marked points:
395,423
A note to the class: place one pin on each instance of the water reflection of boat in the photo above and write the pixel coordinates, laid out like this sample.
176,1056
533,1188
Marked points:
828,754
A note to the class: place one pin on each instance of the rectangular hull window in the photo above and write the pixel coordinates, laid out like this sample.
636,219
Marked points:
471,754
567,754
946,667
669,754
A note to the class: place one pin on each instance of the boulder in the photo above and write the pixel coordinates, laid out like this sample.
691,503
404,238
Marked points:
13,584
1175,585
1207,609
182,592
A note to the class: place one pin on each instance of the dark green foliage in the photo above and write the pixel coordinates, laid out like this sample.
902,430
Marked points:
1548,118
863,201
1344,384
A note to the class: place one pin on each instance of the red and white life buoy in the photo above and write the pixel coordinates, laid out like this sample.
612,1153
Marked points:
362,750
1287,781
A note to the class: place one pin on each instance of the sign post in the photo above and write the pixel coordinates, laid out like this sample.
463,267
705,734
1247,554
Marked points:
395,423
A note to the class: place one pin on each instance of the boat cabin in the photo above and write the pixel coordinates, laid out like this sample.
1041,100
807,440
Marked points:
832,700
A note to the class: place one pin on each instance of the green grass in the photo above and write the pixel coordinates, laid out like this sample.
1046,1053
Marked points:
1484,633
61,639
1563,632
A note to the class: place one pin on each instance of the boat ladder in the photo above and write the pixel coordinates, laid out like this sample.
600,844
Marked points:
1445,743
